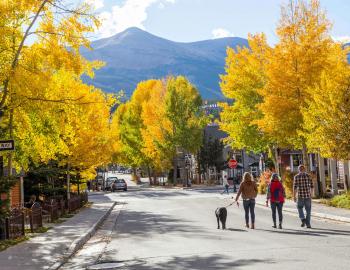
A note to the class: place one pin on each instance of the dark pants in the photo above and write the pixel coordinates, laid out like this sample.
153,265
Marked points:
226,189
277,206
304,203
249,206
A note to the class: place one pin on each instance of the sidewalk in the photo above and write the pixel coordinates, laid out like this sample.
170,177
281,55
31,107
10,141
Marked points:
318,210
49,250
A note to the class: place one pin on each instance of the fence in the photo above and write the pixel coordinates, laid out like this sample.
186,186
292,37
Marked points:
14,224
35,217
61,207
83,198
51,208
74,203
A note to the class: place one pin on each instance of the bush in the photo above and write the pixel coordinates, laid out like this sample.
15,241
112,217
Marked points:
341,201
264,182
287,181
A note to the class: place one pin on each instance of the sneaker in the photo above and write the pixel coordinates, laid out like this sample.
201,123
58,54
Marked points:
280,226
247,225
253,226
303,221
274,225
308,226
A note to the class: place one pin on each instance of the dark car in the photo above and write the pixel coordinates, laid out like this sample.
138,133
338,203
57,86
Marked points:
119,184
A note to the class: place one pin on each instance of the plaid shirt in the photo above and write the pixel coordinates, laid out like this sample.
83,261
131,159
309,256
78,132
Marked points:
303,185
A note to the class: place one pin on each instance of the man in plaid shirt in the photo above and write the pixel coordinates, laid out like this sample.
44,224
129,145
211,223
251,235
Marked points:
303,187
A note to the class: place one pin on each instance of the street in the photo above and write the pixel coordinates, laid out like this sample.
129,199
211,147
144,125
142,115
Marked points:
176,229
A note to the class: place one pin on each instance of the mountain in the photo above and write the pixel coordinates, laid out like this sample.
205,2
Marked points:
135,55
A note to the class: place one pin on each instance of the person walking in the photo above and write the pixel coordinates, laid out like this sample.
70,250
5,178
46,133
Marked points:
225,184
276,195
249,191
302,193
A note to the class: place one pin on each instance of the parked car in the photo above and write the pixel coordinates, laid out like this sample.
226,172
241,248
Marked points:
119,184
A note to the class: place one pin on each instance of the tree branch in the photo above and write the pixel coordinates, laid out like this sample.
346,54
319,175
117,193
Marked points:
18,52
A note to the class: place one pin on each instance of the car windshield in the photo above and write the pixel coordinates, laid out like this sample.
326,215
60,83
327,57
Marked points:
120,181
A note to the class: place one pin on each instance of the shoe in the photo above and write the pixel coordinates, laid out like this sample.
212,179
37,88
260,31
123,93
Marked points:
274,225
280,226
252,226
308,226
303,221
247,225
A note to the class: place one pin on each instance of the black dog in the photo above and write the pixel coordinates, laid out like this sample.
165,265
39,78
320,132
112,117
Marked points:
221,214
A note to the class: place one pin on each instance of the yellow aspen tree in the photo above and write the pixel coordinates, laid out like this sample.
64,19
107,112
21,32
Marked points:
327,117
295,65
156,125
245,76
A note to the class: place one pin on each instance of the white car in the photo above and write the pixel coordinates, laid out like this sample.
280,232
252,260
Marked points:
118,184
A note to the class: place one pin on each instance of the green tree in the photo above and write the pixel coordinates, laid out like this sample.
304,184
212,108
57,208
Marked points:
211,154
183,110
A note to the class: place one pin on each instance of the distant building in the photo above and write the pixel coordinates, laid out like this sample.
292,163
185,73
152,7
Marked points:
247,162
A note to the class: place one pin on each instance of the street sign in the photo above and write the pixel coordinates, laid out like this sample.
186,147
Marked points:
232,163
7,145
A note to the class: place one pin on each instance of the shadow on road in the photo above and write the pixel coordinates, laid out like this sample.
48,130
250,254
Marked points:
153,194
216,262
143,224
236,230
310,232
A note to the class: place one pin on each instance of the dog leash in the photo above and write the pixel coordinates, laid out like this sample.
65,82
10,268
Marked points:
232,204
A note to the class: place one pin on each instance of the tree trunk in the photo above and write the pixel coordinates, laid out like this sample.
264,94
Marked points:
273,153
306,160
68,182
10,154
199,170
149,175
175,170
154,177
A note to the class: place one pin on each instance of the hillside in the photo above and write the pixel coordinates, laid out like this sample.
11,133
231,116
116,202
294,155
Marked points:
135,55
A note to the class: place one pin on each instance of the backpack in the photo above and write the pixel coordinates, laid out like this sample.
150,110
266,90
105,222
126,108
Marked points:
276,190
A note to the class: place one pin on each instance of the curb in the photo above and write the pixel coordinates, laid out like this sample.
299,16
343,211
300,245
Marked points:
79,242
315,214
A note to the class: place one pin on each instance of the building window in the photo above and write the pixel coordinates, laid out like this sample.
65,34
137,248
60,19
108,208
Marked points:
297,160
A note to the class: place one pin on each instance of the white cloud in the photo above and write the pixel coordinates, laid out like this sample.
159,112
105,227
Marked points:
128,14
96,4
342,39
221,33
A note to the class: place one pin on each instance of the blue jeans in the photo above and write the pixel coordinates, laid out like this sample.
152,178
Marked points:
249,206
301,204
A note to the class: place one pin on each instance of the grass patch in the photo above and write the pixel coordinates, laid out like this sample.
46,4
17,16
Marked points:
4,244
68,216
339,201
38,230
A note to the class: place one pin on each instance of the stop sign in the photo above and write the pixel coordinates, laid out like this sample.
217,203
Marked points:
232,163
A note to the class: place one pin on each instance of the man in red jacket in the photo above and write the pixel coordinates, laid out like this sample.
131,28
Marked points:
276,195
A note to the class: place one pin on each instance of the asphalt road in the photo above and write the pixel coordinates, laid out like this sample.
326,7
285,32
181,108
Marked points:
176,229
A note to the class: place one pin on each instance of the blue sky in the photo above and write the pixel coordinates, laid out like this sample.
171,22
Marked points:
193,20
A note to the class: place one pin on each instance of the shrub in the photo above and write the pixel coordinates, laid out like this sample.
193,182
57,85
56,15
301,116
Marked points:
287,181
264,182
341,201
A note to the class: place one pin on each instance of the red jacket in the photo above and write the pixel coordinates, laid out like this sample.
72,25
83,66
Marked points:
276,192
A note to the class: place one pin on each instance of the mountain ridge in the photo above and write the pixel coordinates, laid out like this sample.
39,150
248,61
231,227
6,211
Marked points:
135,55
